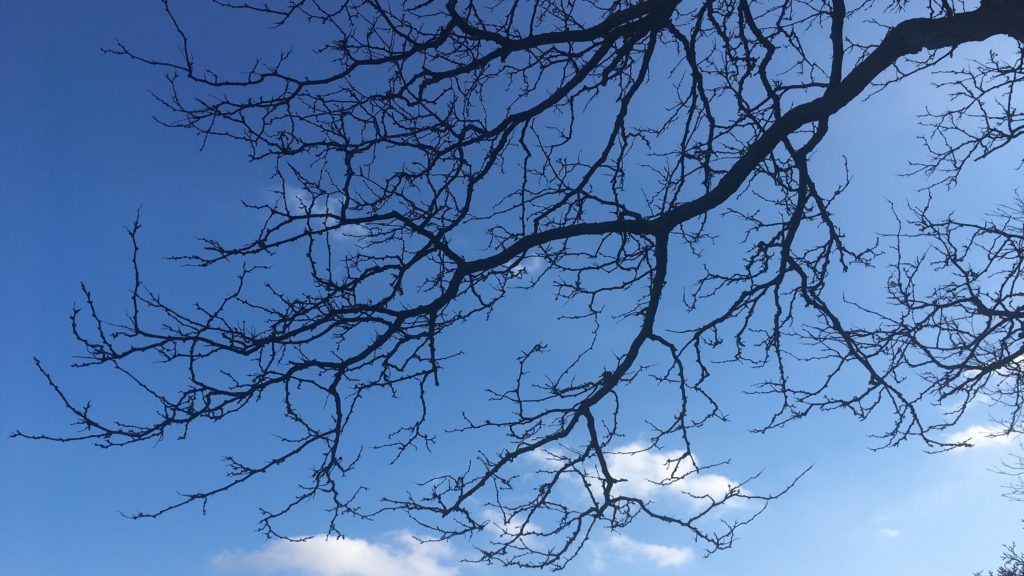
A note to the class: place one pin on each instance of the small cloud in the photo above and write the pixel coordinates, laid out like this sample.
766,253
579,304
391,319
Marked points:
981,436
889,533
328,556
349,233
502,526
297,200
322,210
528,266
546,458
664,556
650,473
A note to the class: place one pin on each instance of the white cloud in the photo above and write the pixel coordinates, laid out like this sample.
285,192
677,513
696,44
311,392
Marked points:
528,266
664,556
501,526
881,517
546,458
298,202
326,556
296,199
981,436
889,533
349,233
653,473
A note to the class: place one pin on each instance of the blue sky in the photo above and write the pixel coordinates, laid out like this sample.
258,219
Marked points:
80,154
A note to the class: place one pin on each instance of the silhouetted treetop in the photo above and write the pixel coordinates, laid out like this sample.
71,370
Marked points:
650,165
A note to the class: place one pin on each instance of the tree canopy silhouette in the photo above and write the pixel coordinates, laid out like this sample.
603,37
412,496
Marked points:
437,157
1013,564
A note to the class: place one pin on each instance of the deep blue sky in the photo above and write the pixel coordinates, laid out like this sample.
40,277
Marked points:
80,154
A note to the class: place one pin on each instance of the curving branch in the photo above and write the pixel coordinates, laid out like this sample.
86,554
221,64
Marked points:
458,153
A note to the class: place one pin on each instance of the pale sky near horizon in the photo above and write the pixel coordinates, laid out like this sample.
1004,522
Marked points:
80,154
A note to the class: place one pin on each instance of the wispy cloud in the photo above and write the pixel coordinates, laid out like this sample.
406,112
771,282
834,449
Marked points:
653,473
664,556
402,555
981,436
528,266
508,526
300,202
889,533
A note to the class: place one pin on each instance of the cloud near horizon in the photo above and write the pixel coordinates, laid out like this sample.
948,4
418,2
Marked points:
327,556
